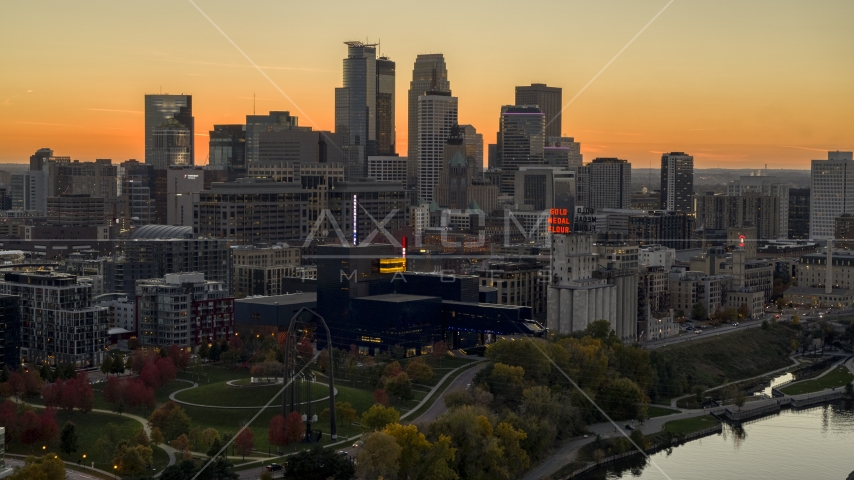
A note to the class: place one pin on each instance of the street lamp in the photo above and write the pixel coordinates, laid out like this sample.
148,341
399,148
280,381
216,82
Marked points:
115,471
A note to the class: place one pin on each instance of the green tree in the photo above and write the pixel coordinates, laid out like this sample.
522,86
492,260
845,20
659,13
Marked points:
215,352
132,459
377,417
319,464
4,374
68,438
215,447
379,457
400,386
522,353
419,371
744,311
107,365
639,439
740,398
204,350
478,454
46,467
622,398
698,311
171,420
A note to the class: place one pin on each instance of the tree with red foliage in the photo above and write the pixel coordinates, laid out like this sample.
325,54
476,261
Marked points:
85,396
16,385
9,419
245,442
52,392
68,397
294,428
137,393
114,390
305,350
140,358
150,375
276,431
32,382
35,428
166,370
180,357
381,397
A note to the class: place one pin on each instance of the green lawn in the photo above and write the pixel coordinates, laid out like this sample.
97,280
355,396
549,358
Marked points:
839,377
690,425
223,395
656,411
89,428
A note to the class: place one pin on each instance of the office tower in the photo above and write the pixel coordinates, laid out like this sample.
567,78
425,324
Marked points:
388,168
183,309
549,101
261,270
273,122
563,152
10,336
428,75
59,322
493,162
251,211
717,212
38,159
298,146
521,141
161,108
677,182
357,206
605,183
473,142
385,107
459,187
29,190
832,188
75,210
172,145
437,114
138,205
356,107
97,179
181,185
765,185
227,150
799,213
542,188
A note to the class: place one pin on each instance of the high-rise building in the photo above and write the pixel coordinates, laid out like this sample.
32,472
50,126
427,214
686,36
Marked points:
183,309
273,122
832,188
543,188
459,187
605,183
387,168
38,159
10,331
161,108
181,184
563,152
59,322
799,213
437,115
75,210
430,74
385,107
677,182
717,212
356,107
173,145
765,185
521,140
473,142
549,101
138,205
227,150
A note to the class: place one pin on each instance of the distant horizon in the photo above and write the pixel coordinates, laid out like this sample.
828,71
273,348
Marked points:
745,84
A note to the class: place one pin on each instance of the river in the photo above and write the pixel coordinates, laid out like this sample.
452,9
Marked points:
816,443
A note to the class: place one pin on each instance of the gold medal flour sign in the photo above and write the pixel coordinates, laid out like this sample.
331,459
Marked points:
559,221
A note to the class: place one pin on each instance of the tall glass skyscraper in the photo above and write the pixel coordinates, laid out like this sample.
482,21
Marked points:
273,122
227,149
549,99
159,109
429,74
437,115
172,145
356,107
521,139
385,107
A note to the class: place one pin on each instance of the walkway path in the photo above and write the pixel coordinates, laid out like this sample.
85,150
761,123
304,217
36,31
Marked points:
845,360
235,407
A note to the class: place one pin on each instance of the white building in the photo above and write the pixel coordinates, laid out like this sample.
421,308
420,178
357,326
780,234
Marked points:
832,192
437,114
657,256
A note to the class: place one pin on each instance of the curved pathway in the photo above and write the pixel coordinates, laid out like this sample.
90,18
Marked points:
235,407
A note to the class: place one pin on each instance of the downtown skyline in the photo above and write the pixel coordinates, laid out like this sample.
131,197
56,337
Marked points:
751,90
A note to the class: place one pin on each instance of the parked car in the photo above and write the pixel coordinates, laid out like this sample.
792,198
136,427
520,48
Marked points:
629,427
734,324
274,467
698,331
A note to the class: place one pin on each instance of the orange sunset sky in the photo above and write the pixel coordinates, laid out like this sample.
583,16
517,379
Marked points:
735,83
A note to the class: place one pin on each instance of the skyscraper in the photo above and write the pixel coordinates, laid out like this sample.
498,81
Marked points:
159,109
549,99
677,182
832,189
227,150
173,145
38,159
385,107
437,115
428,74
521,141
799,213
356,107
765,185
605,183
273,122
473,142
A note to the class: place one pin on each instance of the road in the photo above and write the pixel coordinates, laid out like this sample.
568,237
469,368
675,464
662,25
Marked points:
438,407
687,336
